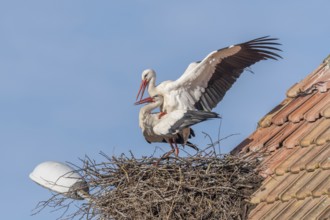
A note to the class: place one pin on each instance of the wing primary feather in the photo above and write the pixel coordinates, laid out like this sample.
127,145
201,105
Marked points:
234,60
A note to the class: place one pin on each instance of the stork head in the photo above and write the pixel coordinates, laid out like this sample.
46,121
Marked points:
147,75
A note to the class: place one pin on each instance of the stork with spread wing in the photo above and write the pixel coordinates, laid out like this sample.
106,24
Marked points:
204,84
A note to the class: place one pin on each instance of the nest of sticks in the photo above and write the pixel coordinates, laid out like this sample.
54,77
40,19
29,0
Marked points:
203,186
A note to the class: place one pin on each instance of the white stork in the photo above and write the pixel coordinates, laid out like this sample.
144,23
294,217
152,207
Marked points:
172,128
203,85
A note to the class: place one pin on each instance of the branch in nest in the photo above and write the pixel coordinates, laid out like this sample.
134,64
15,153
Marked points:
203,186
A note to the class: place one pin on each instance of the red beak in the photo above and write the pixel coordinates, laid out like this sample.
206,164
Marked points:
143,87
146,100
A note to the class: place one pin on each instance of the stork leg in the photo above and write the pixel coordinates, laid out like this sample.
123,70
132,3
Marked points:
165,156
174,146
174,150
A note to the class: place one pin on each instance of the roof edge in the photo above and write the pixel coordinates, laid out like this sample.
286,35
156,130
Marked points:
327,60
293,92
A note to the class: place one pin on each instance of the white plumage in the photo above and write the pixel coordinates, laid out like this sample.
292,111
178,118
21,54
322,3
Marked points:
203,84
173,127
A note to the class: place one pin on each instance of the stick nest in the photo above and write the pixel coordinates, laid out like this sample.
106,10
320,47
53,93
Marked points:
195,187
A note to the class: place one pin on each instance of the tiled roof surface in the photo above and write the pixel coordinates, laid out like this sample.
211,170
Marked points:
293,143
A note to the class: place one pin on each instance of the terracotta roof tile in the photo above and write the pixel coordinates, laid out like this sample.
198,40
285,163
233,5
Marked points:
277,140
306,181
294,139
315,211
299,113
293,143
311,156
324,137
263,210
315,112
267,120
270,162
293,158
307,209
302,211
324,214
277,188
325,164
306,189
323,187
326,111
315,132
315,162
282,116
310,80
298,212
319,79
286,211
289,186
273,211
257,139
294,90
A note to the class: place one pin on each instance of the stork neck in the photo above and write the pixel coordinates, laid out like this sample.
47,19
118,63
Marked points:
152,86
145,111
148,108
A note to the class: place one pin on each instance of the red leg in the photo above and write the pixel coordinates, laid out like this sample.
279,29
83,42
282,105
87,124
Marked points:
174,150
175,147
165,156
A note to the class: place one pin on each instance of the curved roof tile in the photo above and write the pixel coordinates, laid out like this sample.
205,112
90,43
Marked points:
293,143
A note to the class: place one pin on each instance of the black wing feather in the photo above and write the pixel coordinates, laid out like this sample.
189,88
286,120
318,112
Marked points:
190,118
231,67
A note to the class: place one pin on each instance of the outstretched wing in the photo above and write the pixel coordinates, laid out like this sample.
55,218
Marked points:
177,120
205,83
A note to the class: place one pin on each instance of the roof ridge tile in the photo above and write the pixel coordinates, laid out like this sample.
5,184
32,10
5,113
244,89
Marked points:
306,83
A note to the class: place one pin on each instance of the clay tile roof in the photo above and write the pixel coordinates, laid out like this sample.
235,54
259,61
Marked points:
293,143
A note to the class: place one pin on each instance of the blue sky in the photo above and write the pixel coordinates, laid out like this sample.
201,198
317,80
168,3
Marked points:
70,71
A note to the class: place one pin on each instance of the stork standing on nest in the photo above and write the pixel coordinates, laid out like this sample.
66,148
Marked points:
171,127
203,85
